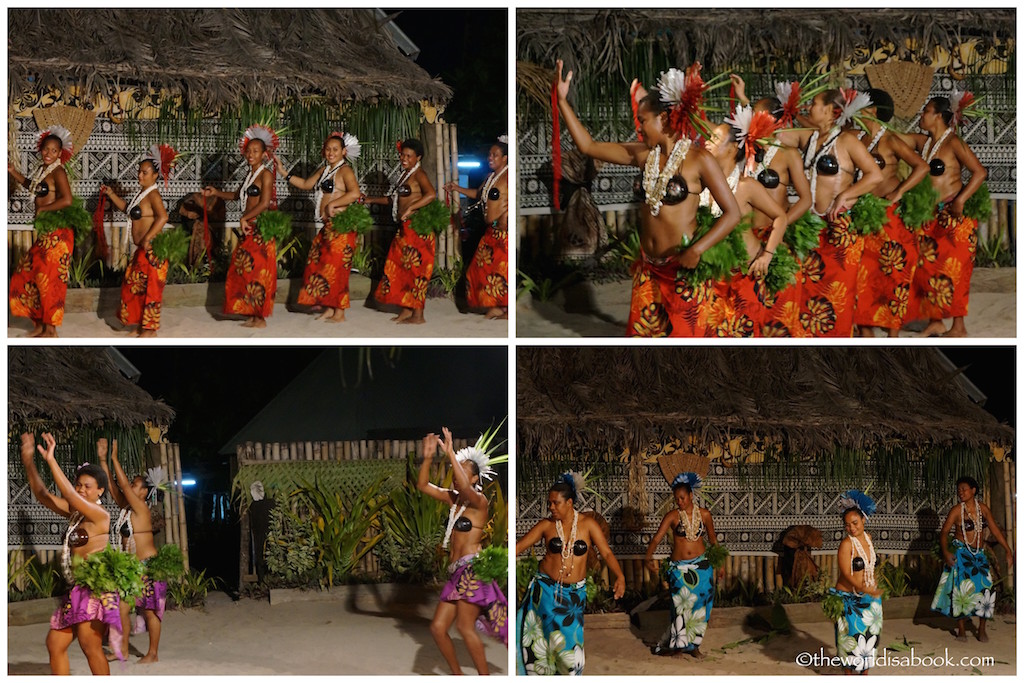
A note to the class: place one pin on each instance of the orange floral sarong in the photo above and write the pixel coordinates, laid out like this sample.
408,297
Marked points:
829,281
408,268
39,285
325,280
252,278
738,309
142,291
664,303
885,275
945,265
487,275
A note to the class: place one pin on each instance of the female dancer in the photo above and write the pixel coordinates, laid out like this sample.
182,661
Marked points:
690,576
943,277
889,259
831,157
410,261
740,303
859,628
663,302
252,278
965,588
325,281
81,615
40,283
134,528
465,600
549,622
487,274
143,288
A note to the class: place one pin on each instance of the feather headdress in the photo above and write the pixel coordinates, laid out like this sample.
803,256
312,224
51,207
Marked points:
854,499
692,479
684,92
752,129
67,146
480,458
853,103
164,158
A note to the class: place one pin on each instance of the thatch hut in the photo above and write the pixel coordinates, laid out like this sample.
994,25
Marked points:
781,433
196,77
80,394
909,53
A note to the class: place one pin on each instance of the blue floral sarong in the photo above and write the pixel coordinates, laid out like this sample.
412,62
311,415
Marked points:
965,589
549,628
692,583
858,630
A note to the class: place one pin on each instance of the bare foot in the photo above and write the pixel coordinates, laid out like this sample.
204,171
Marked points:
962,638
495,313
324,314
248,322
49,332
259,323
415,317
403,316
37,330
148,659
697,654
338,317
982,637
868,332
894,332
934,329
147,333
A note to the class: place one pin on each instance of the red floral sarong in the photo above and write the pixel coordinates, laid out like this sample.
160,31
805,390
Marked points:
252,278
487,275
664,303
39,286
885,275
830,279
142,291
945,265
408,268
738,309
328,269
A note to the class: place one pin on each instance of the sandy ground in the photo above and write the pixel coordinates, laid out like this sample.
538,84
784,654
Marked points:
618,651
252,637
443,320
601,310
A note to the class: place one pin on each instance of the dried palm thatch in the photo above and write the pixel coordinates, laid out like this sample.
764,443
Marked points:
909,84
77,121
591,404
75,387
215,57
604,42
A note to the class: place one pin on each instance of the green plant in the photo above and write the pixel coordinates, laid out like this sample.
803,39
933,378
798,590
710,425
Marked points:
868,215
74,217
184,273
832,605
894,581
289,549
171,245
491,564
544,289
355,218
449,277
167,564
627,249
431,219
38,580
342,529
526,569
364,260
413,530
108,571
716,555
979,205
291,255
993,253
82,264
274,225
191,589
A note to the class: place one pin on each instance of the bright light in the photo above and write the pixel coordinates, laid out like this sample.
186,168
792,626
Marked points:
469,164
188,482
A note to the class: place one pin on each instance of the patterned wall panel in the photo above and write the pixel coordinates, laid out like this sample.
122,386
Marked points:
994,140
748,519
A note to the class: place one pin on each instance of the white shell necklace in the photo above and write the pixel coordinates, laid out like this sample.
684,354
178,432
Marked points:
74,521
567,544
453,514
394,189
318,192
39,174
811,164
928,156
655,183
973,546
693,524
766,162
250,178
127,542
129,244
705,195
869,559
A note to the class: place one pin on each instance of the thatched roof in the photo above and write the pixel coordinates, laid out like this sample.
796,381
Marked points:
75,386
216,57
594,41
588,402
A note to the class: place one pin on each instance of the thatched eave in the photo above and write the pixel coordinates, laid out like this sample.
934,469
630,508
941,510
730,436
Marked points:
592,42
216,58
592,402
75,386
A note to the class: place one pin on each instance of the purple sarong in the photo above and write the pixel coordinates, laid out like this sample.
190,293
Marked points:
463,584
80,605
154,597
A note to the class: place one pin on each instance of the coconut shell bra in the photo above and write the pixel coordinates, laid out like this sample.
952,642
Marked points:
579,548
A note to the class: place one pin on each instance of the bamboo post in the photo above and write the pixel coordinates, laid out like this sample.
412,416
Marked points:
168,496
181,507
1008,516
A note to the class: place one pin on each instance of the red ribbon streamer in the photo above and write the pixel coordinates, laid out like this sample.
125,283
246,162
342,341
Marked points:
636,108
556,147
207,236
102,250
